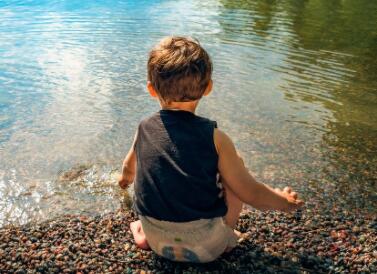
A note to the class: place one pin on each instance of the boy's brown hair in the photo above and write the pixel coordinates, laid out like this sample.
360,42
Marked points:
179,69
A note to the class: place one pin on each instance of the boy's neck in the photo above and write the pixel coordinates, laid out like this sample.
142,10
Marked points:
185,106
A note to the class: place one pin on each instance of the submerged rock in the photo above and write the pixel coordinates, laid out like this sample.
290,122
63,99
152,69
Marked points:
74,173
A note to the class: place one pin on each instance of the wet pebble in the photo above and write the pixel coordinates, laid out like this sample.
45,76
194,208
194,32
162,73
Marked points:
271,242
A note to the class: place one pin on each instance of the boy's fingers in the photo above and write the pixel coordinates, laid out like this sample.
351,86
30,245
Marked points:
299,202
287,189
122,182
294,195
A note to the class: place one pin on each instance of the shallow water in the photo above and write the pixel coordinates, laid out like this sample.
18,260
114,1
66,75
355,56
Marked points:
295,85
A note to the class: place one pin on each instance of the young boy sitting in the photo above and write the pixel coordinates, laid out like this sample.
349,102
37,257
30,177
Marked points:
190,183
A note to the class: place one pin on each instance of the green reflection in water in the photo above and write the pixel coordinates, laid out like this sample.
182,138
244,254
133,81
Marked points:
330,50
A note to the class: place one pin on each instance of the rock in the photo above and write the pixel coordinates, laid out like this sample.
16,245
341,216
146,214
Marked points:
362,239
127,247
284,242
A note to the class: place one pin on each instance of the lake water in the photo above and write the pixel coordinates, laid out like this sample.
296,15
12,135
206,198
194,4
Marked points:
295,86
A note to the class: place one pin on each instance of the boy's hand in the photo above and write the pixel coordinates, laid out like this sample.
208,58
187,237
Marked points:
293,202
123,181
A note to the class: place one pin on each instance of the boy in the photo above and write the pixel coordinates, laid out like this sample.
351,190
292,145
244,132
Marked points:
190,183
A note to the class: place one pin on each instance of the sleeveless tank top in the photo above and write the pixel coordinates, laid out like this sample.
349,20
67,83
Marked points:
177,175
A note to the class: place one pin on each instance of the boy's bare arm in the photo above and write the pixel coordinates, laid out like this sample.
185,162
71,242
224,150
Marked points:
240,181
129,167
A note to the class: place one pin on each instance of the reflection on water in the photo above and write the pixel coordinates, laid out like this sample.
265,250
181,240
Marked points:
328,69
295,86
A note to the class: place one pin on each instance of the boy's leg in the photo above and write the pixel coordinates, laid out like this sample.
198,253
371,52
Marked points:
234,209
139,236
234,206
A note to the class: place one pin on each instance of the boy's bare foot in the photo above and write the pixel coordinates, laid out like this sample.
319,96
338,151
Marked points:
139,236
238,234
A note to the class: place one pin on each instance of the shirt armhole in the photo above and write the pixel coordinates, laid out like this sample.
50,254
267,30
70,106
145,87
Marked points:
136,137
214,140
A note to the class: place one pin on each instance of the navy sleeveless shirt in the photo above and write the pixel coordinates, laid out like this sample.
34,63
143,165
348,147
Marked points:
177,175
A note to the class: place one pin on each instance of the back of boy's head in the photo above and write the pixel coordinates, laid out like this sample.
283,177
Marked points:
179,69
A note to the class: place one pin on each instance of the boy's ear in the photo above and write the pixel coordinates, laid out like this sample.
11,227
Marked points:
151,89
209,88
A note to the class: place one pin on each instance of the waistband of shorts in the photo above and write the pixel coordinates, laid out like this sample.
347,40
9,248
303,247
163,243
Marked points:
186,227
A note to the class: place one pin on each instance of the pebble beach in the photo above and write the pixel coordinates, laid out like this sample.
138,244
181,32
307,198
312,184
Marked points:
295,87
307,241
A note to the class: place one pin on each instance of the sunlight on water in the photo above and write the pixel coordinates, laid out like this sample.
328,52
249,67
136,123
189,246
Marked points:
295,85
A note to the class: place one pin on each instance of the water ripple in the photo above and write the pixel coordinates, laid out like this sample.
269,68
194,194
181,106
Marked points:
72,90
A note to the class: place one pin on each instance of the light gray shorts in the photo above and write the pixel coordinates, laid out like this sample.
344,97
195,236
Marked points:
197,241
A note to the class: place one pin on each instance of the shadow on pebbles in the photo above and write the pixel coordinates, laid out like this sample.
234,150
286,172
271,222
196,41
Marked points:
304,242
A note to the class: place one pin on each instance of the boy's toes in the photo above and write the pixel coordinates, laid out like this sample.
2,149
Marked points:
139,236
143,245
237,233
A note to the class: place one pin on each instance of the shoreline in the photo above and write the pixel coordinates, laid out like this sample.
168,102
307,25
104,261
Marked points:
308,241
